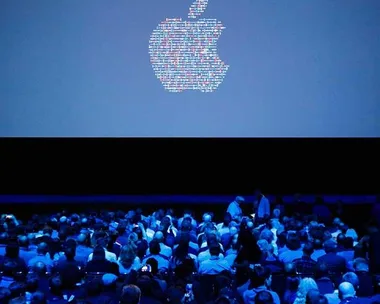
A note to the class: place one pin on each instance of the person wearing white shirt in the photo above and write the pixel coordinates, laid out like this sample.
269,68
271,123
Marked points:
110,256
215,264
234,208
165,250
128,260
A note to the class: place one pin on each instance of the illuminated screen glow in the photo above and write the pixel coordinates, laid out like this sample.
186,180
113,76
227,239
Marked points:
190,68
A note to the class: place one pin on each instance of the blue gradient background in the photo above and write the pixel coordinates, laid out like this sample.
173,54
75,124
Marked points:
297,68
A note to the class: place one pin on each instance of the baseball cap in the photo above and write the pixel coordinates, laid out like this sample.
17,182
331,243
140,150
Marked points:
63,219
109,279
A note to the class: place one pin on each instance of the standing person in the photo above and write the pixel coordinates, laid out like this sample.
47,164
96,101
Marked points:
234,208
261,206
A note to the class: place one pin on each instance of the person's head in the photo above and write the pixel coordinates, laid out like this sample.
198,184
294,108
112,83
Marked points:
154,247
31,283
308,249
329,246
99,253
38,298
127,255
42,248
133,238
260,276
341,239
39,268
312,295
130,294
186,225
293,241
336,222
318,244
82,239
352,278
207,218
211,238
227,219
352,233
23,241
159,236
317,299
276,214
346,290
292,283
322,270
267,235
263,245
55,285
69,253
264,297
305,286
290,269
361,265
214,249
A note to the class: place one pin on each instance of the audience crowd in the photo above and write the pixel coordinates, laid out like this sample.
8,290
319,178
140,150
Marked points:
267,257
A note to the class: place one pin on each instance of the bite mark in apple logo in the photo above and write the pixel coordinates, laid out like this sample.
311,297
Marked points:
184,54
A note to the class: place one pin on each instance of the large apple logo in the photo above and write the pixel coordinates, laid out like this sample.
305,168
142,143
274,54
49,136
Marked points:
184,55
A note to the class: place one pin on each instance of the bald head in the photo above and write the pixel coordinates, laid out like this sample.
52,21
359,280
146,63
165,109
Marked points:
42,248
159,236
23,241
207,218
346,290
81,238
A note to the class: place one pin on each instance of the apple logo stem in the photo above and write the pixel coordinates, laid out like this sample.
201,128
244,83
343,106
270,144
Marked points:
184,54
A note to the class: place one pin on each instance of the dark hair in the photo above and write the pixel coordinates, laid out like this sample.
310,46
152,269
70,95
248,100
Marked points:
312,295
31,282
258,276
293,241
348,243
38,298
99,254
322,270
182,250
318,244
215,249
308,249
130,294
70,253
264,297
154,247
227,219
341,238
321,299
292,283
